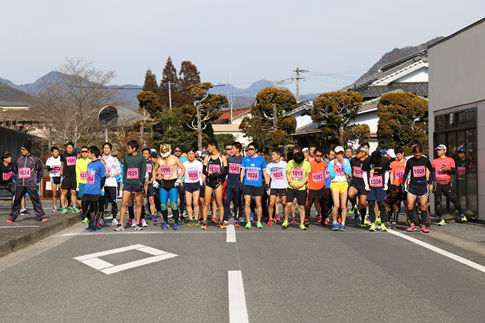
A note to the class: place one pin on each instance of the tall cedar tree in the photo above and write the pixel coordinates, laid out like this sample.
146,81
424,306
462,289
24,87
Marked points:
337,109
269,117
403,116
169,75
150,82
148,101
189,75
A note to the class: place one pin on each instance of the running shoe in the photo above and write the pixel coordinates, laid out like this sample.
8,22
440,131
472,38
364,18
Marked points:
120,227
362,224
285,224
86,220
251,217
170,219
270,222
319,218
200,218
153,218
342,226
259,225
326,221
236,224
357,217
224,225
388,225
76,210
277,217
175,226
383,227
411,228
54,209
463,218
144,223
191,223
114,222
335,226
133,223
196,223
339,220
248,225
43,219
303,227
9,221
101,221
70,208
92,228
64,210
408,222
352,211
181,219
372,228
138,227
214,220
441,222
165,225
424,229
219,223
264,219
293,220
204,225
241,219
308,219
129,222
393,226
378,221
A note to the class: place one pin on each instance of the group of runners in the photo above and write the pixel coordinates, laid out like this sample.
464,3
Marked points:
245,186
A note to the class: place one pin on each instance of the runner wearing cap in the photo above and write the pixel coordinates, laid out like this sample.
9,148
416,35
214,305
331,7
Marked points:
396,174
6,174
81,173
444,167
357,185
338,170
53,164
329,156
316,184
68,173
463,166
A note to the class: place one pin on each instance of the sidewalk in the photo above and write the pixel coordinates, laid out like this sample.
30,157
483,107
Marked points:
27,230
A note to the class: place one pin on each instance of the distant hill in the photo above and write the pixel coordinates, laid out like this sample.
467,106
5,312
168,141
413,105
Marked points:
9,94
397,53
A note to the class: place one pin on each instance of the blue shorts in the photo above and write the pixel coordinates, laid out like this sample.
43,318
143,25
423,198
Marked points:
192,187
152,191
132,187
81,191
418,190
376,194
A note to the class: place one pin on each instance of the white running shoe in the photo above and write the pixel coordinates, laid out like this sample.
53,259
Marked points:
101,221
133,223
144,223
114,222
54,209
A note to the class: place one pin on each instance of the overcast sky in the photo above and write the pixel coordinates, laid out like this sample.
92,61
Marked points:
250,40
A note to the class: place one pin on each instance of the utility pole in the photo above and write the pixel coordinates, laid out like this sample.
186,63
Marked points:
230,95
170,95
298,78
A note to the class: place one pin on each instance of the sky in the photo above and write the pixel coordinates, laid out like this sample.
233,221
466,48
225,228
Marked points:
229,41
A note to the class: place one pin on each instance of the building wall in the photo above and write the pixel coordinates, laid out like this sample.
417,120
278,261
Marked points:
456,82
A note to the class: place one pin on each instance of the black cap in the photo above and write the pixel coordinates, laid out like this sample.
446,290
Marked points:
154,155
5,155
76,150
27,145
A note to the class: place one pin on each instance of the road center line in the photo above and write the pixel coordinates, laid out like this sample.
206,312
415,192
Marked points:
238,312
440,251
230,233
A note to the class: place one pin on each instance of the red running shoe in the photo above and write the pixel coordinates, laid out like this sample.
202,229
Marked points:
270,222
9,221
43,220
424,229
214,220
319,219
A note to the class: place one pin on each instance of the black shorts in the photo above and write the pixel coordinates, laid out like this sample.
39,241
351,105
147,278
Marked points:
68,183
168,184
300,196
418,190
111,192
133,188
192,187
360,189
90,198
253,190
56,180
278,192
443,189
317,194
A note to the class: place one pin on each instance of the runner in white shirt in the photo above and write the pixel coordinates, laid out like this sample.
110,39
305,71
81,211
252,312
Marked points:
53,164
193,176
277,177
111,186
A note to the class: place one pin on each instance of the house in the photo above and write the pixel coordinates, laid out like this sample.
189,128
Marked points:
13,106
457,109
225,125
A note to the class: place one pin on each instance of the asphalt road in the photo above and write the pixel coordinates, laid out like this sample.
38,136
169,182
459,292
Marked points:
288,276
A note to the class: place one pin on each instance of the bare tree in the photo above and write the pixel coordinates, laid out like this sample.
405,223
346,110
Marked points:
71,99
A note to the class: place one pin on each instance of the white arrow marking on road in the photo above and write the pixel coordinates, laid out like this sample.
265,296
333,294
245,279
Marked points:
93,260
238,312
464,261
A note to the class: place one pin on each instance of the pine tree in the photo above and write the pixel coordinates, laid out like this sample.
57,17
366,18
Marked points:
169,75
150,82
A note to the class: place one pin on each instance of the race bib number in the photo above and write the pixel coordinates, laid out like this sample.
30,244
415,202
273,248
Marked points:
90,176
278,174
441,173
179,170
358,172
71,161
82,175
166,170
132,173
399,174
317,177
149,168
297,173
461,170
326,173
375,181
7,176
253,175
234,169
419,171
213,168
340,170
24,172
193,175
56,169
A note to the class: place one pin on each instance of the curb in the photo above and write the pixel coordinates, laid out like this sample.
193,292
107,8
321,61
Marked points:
30,236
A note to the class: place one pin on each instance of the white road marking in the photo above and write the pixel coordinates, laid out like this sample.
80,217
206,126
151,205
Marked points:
93,261
238,312
462,260
231,233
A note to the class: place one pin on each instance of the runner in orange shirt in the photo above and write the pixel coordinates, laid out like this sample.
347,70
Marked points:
316,186
396,176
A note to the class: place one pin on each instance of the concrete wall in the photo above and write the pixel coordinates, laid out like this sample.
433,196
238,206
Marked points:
457,82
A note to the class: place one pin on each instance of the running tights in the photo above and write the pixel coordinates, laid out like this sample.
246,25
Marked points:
372,212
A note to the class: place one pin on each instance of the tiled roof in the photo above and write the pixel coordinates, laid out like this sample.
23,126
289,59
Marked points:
126,117
420,88
13,104
22,116
226,114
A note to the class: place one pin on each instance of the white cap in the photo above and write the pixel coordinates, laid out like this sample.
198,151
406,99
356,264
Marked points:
339,149
391,153
304,149
440,147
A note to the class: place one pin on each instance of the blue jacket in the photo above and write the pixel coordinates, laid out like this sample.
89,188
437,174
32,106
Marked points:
346,166
27,171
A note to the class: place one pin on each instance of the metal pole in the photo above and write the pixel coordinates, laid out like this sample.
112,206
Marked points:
230,95
106,133
169,95
297,85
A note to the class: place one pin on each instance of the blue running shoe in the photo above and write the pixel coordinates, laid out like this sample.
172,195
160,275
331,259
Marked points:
241,219
175,226
335,226
342,226
251,217
357,217
165,225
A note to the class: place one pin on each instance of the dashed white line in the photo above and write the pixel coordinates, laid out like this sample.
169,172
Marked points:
462,260
238,312
231,233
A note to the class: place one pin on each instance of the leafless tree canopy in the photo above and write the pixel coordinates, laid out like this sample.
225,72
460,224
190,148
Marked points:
72,98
